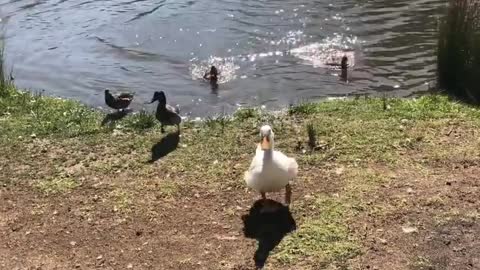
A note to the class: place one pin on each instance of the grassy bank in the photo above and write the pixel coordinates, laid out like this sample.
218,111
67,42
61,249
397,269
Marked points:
381,188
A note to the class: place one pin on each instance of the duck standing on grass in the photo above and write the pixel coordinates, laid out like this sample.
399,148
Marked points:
271,170
120,102
166,114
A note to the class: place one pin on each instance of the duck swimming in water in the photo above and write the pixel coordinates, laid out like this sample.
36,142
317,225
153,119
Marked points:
344,67
166,114
212,75
120,102
344,63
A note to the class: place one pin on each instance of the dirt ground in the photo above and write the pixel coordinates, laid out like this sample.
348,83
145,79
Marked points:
206,231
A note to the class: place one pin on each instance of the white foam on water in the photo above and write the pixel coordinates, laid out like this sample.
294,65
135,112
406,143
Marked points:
328,52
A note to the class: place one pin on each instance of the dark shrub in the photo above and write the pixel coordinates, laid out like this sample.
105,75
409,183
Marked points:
458,67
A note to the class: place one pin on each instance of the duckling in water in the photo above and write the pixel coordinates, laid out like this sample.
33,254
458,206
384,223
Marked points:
212,76
344,63
119,102
344,66
166,114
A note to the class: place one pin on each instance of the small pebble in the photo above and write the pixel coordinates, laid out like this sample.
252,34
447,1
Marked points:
339,171
409,229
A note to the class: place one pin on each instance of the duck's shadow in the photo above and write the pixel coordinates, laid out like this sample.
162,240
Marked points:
165,146
115,116
268,222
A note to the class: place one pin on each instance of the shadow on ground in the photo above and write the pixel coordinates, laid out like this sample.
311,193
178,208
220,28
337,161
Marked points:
165,146
268,222
113,117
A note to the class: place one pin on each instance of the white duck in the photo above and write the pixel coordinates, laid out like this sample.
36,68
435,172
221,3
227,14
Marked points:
271,170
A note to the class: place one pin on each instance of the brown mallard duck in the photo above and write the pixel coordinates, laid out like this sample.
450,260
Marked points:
166,114
120,102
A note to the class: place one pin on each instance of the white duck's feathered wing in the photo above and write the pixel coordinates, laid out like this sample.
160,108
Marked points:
270,173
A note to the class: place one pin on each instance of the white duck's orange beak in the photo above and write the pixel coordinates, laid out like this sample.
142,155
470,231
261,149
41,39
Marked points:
265,144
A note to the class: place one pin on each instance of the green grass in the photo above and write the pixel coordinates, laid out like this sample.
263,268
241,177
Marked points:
141,121
426,107
246,113
421,263
122,200
56,185
323,238
25,114
168,189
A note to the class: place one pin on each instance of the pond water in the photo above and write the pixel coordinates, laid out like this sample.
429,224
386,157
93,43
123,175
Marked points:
270,53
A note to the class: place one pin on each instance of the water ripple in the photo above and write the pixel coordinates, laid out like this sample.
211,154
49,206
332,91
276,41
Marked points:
143,14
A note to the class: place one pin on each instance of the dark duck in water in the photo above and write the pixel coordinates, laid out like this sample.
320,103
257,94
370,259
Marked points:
119,102
212,75
344,63
166,114
344,66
